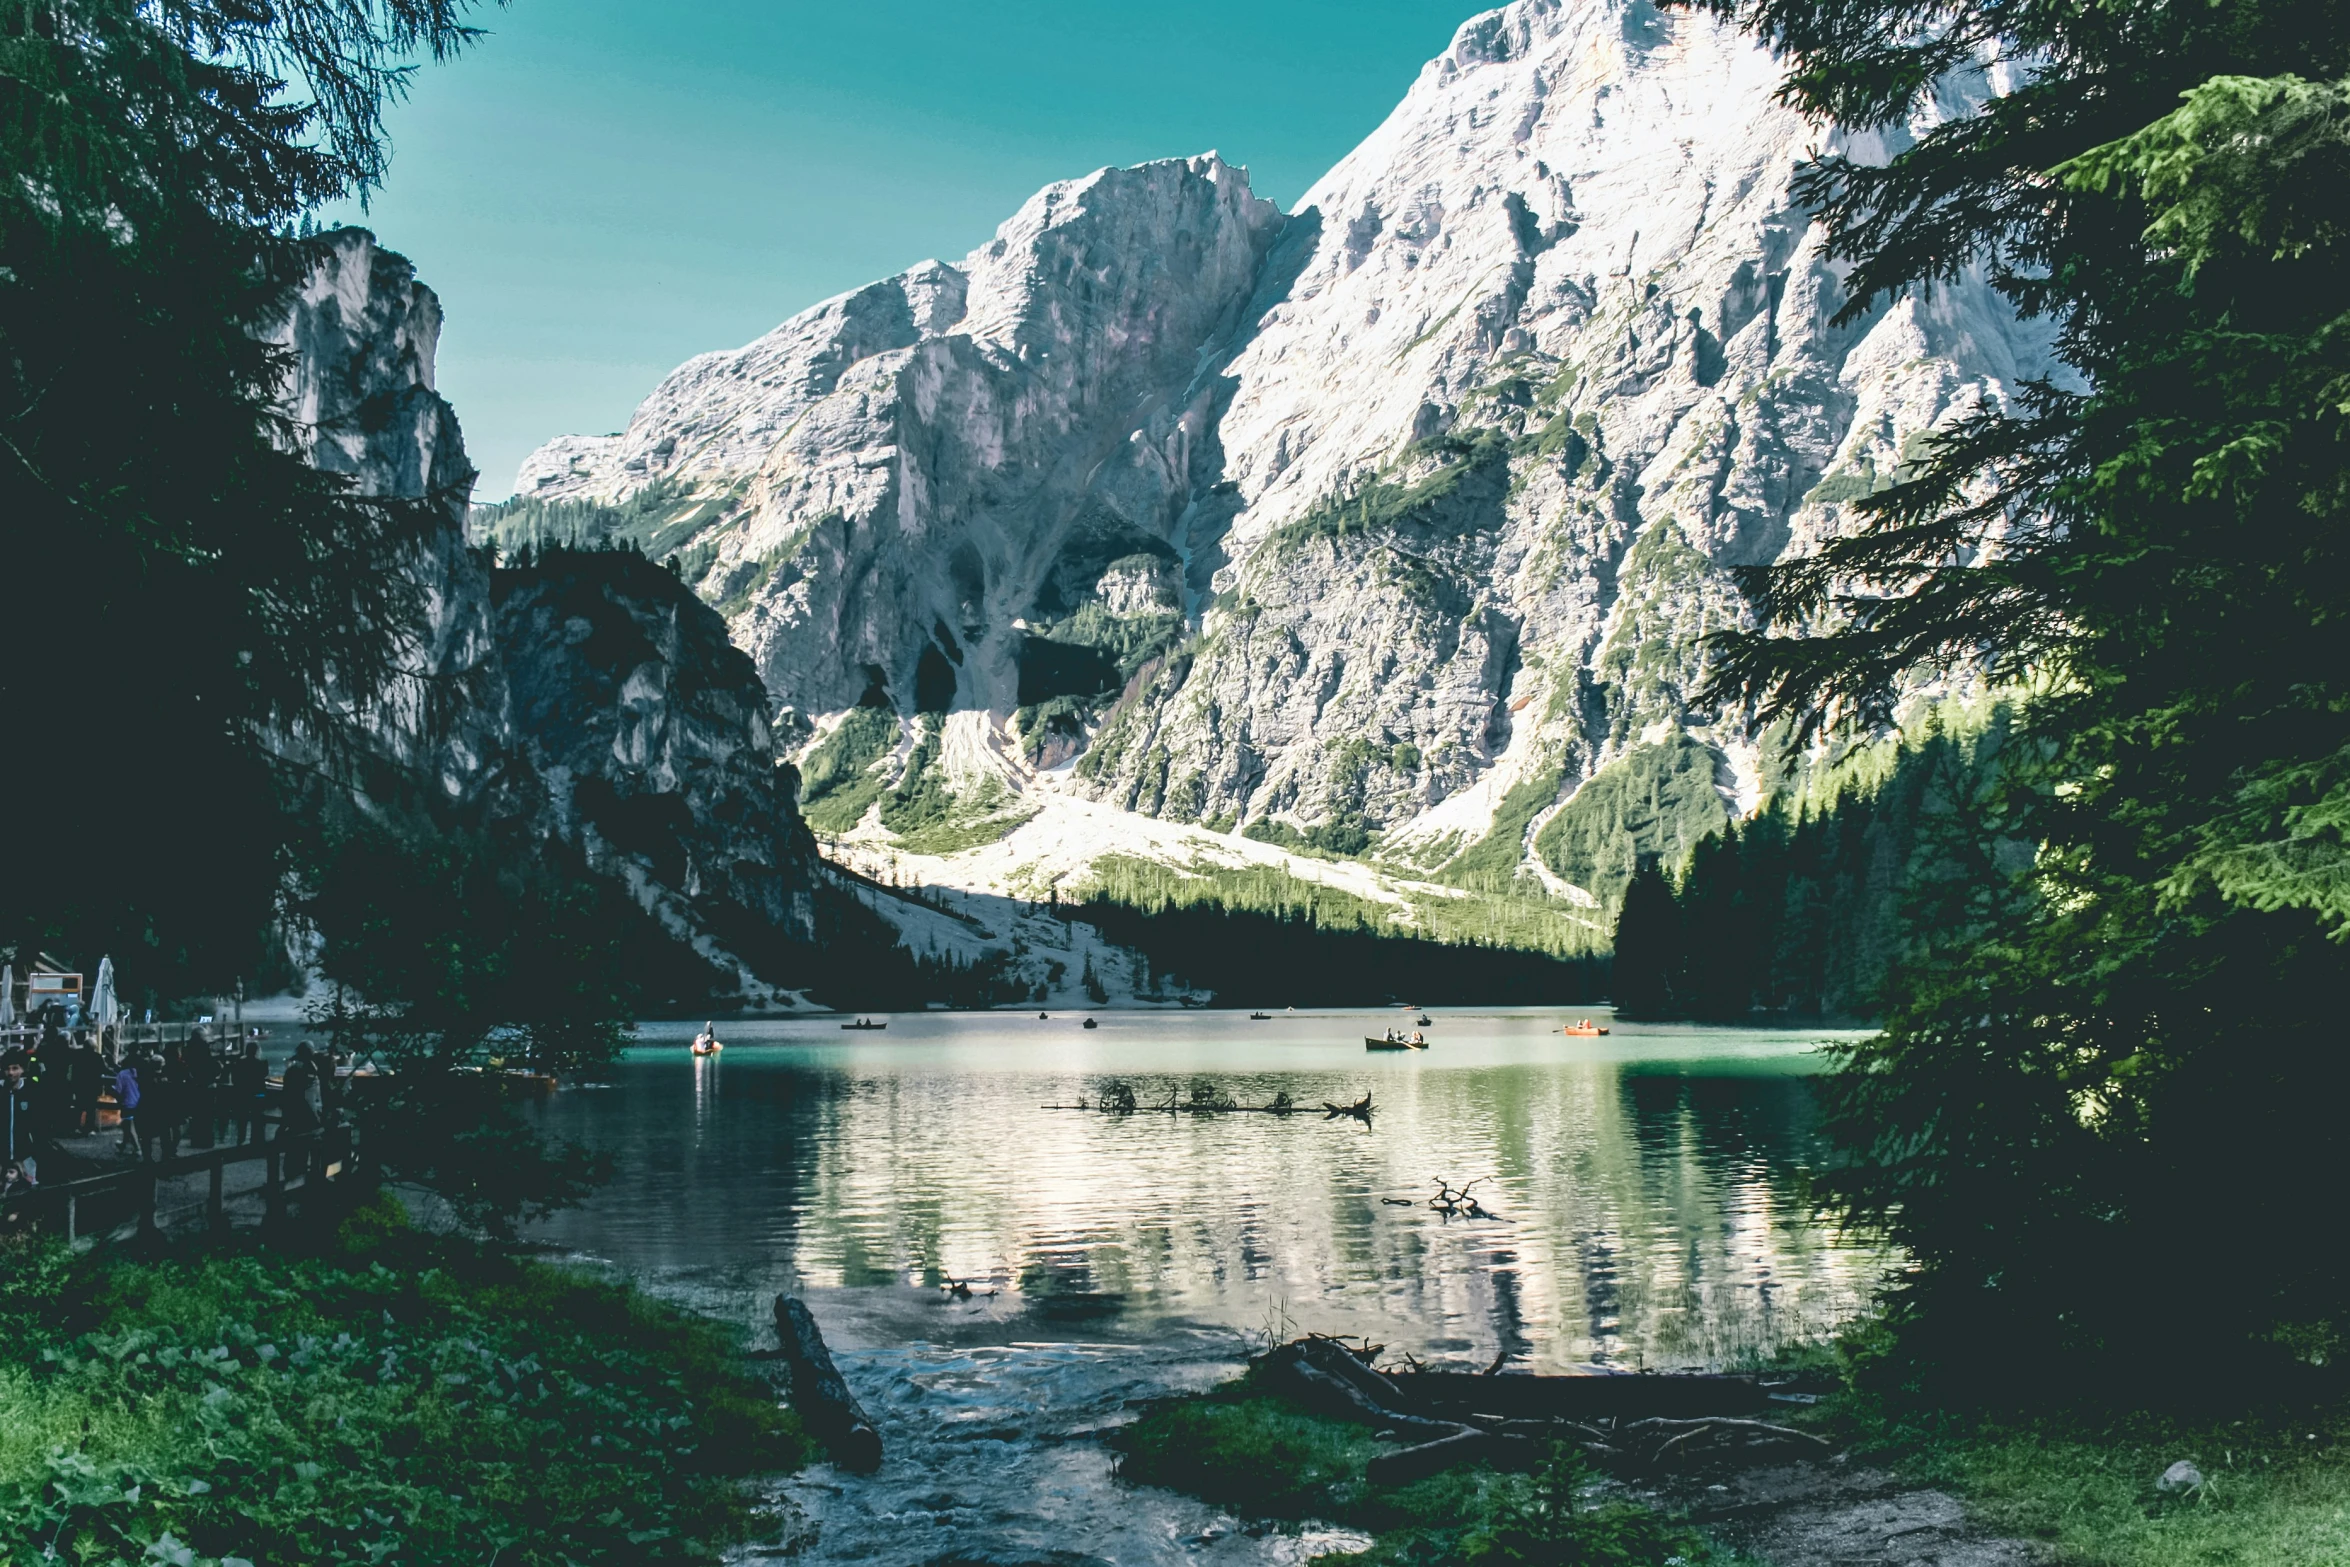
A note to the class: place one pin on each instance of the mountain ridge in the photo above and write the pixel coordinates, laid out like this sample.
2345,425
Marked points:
1378,530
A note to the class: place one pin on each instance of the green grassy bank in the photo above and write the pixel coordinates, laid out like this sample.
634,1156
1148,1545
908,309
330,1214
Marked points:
2083,1488
1264,1458
388,1398
2276,1484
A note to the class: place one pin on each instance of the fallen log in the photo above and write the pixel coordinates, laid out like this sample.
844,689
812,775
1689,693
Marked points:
826,1406
1517,1396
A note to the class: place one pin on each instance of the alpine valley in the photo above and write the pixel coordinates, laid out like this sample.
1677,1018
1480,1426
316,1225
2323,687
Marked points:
1170,548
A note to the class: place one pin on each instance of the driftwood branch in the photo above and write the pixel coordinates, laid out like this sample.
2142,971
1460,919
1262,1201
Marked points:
1512,1422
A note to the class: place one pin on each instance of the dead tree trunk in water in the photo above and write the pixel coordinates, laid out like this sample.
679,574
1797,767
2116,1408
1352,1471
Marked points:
827,1407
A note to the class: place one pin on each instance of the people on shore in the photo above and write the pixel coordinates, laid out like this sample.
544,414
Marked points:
127,1100
85,1074
192,1076
248,1087
19,1118
51,1087
300,1103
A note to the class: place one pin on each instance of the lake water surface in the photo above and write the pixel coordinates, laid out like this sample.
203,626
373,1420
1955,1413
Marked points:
1642,1187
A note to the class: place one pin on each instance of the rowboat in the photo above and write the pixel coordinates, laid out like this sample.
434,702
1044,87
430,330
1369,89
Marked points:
1583,1030
1414,1043
864,1023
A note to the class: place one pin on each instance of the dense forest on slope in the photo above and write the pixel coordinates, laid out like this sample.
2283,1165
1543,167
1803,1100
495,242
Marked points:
1803,910
1251,958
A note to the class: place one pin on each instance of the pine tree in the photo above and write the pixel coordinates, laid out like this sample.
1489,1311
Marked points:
1651,951
2118,1037
181,584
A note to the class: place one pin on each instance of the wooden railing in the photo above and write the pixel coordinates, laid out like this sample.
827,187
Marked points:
329,1156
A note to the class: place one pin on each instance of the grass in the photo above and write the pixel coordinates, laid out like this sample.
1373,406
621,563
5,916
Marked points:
2277,1488
391,1398
1264,1458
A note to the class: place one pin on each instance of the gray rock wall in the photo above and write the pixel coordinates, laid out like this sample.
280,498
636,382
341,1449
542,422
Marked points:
590,695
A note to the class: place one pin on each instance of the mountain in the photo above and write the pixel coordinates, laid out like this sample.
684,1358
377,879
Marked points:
1168,536
583,699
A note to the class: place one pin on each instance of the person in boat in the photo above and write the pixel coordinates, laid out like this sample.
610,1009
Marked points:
707,1039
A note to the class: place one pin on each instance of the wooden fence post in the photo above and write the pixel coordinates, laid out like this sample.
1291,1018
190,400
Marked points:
273,1201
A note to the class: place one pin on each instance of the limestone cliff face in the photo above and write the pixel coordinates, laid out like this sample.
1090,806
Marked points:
884,484
360,336
590,695
1387,524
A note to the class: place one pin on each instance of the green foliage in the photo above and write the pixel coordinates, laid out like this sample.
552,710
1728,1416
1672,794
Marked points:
2124,1048
929,818
1672,597
395,1399
842,776
1343,839
1547,1521
658,520
1266,1458
1804,909
1472,468
1656,799
471,949
1039,724
1495,861
1131,640
154,161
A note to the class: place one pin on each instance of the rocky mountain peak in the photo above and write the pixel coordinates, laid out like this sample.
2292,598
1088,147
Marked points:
1390,530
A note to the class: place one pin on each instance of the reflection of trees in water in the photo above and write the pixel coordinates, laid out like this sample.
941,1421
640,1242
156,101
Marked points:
1643,1217
732,1188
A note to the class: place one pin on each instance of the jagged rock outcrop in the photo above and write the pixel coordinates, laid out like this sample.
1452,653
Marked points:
648,729
360,335
591,696
1383,527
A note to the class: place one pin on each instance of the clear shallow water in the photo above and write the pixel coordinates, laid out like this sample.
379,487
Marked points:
1647,1216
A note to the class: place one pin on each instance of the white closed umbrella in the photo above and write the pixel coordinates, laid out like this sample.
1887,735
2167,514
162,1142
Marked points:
7,994
103,1011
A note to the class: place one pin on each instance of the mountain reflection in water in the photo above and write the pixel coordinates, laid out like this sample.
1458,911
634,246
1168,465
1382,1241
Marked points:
1643,1184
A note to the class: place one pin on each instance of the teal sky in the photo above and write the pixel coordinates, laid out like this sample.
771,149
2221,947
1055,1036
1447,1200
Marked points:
603,188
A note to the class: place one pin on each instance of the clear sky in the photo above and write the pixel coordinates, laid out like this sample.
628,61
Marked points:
603,188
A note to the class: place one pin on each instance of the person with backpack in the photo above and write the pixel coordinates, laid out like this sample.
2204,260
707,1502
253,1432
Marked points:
126,1101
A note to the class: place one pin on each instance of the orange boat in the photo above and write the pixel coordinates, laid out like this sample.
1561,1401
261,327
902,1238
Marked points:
1586,1029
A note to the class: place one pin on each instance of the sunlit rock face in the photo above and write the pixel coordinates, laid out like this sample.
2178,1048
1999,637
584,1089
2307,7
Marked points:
895,474
360,334
591,695
1405,511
